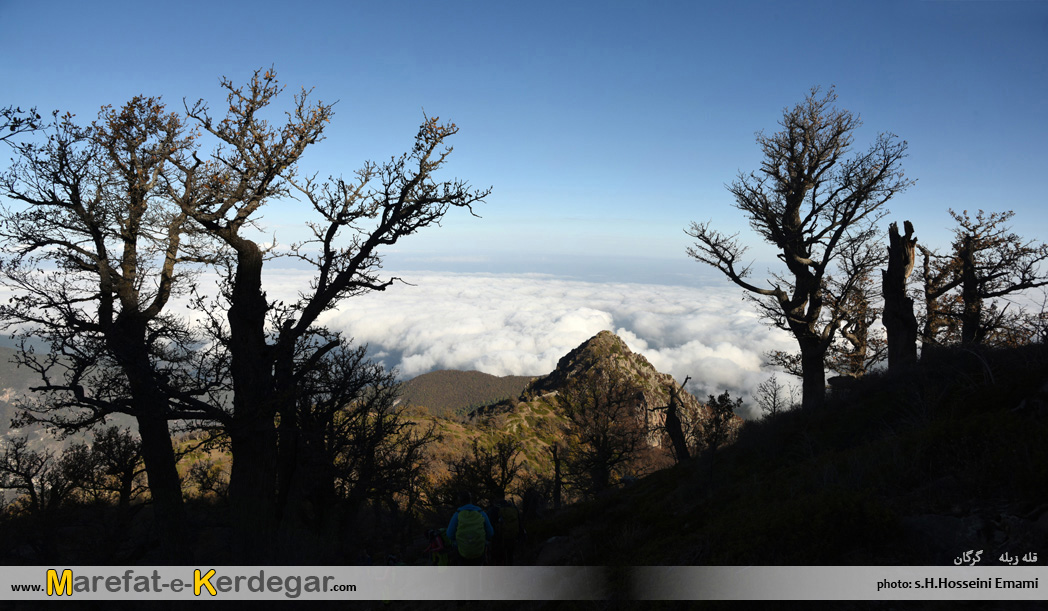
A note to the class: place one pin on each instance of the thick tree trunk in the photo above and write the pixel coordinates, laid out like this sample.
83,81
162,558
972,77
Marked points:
289,461
307,498
293,455
127,341
674,429
165,487
253,436
899,319
600,477
813,381
252,493
971,317
127,484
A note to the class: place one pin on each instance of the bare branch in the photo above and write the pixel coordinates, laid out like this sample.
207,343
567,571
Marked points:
819,209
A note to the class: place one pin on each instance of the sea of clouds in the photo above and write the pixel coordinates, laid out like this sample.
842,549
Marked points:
523,324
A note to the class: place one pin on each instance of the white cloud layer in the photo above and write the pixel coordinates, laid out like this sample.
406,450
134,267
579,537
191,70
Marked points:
522,324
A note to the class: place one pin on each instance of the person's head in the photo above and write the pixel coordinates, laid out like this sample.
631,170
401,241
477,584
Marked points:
464,497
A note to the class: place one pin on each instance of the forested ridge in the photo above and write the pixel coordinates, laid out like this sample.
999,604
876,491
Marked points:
449,391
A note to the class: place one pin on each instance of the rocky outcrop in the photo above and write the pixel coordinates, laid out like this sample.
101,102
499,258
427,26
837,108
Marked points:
605,354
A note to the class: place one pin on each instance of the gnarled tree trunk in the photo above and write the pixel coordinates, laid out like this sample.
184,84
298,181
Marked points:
899,319
674,429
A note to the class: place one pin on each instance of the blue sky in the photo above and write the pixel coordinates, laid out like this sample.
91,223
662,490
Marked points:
604,128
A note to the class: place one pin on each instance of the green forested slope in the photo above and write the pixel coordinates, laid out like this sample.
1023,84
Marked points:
448,391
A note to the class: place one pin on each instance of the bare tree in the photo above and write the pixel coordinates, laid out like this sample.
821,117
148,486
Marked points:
116,464
857,347
256,164
673,426
994,264
93,255
47,480
352,440
486,470
812,204
773,397
939,274
209,478
899,318
118,216
853,294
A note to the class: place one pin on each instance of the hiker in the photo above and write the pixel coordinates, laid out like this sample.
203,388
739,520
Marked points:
470,530
438,548
509,528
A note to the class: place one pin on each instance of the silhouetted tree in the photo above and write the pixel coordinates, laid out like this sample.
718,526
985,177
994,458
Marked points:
773,397
122,213
352,441
993,263
257,165
673,425
47,480
988,264
899,319
939,275
716,428
854,295
812,205
116,464
556,452
93,255
487,470
605,434
209,479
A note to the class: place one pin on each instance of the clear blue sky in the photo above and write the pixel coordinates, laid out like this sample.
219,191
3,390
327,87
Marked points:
603,127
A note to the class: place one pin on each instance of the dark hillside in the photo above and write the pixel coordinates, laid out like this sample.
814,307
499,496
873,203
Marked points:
906,470
448,391
910,469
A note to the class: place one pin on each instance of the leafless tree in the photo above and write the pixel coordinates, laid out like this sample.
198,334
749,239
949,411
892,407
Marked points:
938,276
116,464
994,264
674,427
118,217
48,480
899,318
257,163
854,294
352,441
773,397
93,254
812,204
487,470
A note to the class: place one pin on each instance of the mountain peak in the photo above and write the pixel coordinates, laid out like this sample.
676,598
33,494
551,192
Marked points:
607,355
598,351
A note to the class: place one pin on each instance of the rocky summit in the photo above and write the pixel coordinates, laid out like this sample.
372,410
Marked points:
607,358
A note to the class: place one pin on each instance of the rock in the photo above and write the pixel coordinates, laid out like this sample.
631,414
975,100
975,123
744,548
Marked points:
606,353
